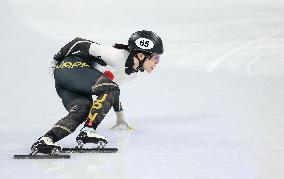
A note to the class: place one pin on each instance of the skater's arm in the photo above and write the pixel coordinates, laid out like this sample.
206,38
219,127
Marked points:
108,54
76,46
121,122
117,106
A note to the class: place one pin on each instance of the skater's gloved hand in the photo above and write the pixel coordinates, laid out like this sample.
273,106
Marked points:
121,122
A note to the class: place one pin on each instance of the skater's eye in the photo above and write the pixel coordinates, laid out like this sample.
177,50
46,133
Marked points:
155,58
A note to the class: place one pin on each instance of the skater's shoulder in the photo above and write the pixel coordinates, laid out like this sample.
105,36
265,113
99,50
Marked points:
80,39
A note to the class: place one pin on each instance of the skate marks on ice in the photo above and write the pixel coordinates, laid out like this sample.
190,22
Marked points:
223,58
250,65
97,165
100,165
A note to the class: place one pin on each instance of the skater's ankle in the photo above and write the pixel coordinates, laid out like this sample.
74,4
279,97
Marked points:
86,128
52,136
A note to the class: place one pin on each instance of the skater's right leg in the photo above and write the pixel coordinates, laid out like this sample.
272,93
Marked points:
78,107
78,112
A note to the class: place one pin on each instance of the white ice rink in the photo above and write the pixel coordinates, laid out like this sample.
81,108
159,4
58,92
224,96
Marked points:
213,109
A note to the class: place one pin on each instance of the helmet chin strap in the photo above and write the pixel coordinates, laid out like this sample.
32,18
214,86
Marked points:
141,62
130,62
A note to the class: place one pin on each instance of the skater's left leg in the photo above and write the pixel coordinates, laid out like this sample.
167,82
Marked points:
107,95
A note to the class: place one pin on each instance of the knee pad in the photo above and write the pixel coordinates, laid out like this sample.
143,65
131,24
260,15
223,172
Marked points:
105,85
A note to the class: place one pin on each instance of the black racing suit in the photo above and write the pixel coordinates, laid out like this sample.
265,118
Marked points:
76,81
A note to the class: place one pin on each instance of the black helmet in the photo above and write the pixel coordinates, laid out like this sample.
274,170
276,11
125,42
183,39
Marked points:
147,41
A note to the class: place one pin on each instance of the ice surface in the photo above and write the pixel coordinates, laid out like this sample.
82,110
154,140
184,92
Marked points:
213,109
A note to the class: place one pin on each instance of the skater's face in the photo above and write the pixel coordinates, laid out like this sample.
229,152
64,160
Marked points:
149,64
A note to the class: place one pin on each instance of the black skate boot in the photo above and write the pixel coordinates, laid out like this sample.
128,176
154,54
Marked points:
46,146
89,135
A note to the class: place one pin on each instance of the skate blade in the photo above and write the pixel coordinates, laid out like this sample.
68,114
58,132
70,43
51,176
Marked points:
89,150
41,157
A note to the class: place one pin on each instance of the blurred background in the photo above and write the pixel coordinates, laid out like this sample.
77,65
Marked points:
213,108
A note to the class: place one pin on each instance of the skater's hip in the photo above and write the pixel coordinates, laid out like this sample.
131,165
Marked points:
74,62
78,80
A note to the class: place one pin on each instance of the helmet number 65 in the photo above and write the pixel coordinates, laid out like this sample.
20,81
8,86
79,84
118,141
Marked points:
144,43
